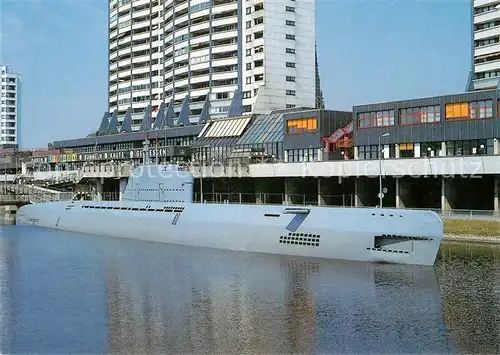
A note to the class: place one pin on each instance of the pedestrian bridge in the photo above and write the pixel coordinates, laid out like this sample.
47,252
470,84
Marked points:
16,194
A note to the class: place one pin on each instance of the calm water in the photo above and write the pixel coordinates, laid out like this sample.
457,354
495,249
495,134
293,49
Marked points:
70,293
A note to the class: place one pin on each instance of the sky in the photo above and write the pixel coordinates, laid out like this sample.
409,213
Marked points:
368,51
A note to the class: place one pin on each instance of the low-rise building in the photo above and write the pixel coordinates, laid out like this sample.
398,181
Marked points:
452,125
430,150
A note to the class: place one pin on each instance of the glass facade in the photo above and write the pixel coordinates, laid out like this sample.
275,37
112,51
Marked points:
302,155
367,152
430,149
468,147
264,133
376,119
416,115
470,110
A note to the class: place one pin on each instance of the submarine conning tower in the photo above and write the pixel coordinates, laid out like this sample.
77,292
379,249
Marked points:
160,183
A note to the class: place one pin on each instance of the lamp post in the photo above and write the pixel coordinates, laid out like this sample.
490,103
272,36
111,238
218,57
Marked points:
201,178
380,194
5,173
145,152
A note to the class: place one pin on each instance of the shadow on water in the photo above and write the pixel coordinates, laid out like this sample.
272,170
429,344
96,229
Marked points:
70,293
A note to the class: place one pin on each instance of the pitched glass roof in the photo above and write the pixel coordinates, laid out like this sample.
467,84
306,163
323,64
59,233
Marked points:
225,128
261,129
264,129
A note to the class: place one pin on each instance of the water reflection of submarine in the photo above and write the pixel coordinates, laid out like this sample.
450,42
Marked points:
158,206
226,302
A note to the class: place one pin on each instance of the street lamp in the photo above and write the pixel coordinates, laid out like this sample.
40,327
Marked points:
380,194
5,173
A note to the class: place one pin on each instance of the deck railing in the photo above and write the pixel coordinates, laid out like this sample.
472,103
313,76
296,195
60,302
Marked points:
311,200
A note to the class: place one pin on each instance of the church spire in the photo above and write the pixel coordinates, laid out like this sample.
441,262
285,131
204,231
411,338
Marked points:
320,102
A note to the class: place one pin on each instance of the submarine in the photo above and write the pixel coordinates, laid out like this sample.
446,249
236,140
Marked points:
158,206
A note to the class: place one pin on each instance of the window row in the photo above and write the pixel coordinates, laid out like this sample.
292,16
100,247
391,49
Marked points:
427,114
470,110
302,125
417,115
376,119
428,149
302,155
222,153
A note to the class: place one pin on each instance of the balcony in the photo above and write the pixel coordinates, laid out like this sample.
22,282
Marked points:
486,16
485,50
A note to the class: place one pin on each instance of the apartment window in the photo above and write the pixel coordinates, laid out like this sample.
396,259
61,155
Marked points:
290,106
489,74
247,94
290,23
249,66
290,8
249,10
180,38
259,49
290,51
302,125
486,42
258,21
289,36
249,24
482,9
290,92
481,109
290,65
249,80
199,7
290,78
200,59
249,38
249,52
483,26
181,51
376,119
222,95
415,115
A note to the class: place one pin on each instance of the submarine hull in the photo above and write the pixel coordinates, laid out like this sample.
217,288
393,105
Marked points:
361,234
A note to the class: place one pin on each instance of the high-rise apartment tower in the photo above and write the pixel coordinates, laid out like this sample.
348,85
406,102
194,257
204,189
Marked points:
258,53
10,115
485,72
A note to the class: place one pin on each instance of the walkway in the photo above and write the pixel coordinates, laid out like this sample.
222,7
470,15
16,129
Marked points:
34,194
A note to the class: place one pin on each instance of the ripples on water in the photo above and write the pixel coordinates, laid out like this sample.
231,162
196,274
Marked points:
70,293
